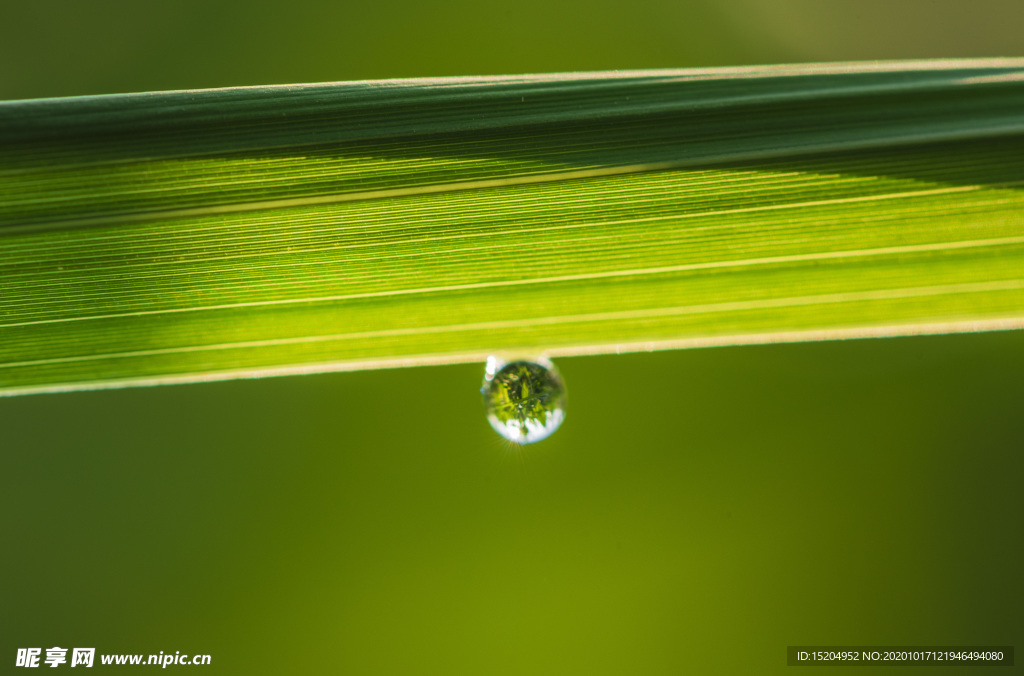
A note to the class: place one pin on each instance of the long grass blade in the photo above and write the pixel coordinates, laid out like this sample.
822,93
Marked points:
185,236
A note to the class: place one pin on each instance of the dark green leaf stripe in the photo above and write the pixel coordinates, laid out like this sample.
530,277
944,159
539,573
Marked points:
183,236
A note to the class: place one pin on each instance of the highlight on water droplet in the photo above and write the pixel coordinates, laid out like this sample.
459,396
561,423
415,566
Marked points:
525,399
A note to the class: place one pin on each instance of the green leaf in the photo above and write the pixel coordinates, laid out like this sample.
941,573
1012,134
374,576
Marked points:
184,236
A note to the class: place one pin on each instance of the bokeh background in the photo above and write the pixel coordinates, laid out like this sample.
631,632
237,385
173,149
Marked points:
699,511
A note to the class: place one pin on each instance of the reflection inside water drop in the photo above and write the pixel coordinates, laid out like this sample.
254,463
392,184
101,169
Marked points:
525,399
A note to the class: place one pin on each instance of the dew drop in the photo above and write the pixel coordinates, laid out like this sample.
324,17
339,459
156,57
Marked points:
525,400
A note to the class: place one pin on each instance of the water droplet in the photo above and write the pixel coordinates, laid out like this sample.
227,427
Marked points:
525,399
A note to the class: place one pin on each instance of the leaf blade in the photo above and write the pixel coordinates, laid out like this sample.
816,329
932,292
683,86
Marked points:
632,233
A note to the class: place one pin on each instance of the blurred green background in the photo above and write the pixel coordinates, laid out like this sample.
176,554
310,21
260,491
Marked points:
699,511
